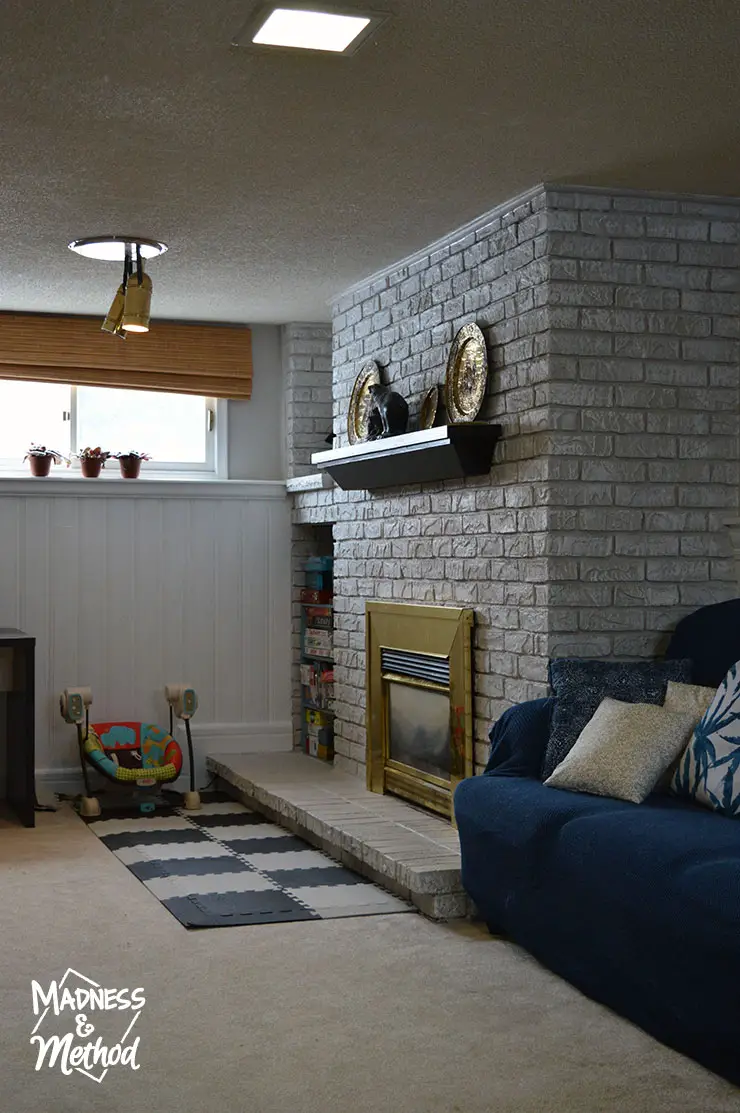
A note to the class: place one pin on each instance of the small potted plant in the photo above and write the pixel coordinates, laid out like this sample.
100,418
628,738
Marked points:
130,463
91,461
41,458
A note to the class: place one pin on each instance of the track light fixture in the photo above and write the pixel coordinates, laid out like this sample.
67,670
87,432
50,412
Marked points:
137,304
131,307
112,322
137,297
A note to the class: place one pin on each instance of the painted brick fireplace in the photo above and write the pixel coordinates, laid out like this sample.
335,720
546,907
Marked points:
612,322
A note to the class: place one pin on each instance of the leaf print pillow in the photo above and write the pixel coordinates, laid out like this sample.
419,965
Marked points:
708,771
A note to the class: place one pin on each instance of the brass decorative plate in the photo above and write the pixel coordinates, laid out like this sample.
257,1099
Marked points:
428,412
467,374
358,415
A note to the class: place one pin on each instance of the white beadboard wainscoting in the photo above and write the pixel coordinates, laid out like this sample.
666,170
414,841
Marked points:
131,586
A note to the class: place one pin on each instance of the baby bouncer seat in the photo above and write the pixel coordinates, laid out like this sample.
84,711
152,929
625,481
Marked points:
140,756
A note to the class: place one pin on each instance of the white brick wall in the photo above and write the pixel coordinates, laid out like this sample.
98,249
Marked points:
471,544
646,376
306,353
611,323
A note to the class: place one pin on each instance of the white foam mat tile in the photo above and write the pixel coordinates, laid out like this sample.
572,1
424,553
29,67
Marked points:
160,852
104,827
132,855
290,860
344,897
199,884
344,911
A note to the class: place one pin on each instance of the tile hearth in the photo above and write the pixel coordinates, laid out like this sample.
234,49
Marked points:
410,852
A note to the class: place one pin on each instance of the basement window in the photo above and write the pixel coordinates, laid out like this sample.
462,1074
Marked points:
176,430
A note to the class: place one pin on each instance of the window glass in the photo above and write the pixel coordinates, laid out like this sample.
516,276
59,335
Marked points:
170,427
33,413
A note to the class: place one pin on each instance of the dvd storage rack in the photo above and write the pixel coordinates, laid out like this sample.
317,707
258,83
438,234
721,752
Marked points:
317,659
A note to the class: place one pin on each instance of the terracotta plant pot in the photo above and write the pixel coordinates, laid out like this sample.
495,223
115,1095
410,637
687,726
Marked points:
40,465
90,468
130,466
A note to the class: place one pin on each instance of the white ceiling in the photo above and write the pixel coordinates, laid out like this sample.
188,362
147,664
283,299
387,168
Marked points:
279,179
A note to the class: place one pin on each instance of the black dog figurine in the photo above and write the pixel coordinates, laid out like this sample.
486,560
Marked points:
389,414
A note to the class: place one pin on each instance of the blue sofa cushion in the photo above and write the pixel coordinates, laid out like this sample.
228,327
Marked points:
635,904
711,638
580,685
507,827
518,739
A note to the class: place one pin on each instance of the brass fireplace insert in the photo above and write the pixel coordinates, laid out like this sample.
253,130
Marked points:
419,701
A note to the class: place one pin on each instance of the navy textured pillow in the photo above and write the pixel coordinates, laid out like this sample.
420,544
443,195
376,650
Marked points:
580,685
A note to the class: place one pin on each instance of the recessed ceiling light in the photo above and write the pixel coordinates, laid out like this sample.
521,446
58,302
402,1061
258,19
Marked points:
302,28
113,248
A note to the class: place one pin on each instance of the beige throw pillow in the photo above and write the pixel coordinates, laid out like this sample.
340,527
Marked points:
692,698
623,750
688,697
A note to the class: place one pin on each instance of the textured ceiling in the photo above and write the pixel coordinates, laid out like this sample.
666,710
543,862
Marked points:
279,179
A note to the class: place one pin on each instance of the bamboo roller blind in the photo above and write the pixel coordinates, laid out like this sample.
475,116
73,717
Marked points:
210,360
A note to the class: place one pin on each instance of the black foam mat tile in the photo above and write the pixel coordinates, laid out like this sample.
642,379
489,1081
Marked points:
315,875
188,867
230,909
288,845
152,838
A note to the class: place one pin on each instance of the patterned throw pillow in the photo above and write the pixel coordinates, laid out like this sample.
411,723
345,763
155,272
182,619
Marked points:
709,769
623,750
580,685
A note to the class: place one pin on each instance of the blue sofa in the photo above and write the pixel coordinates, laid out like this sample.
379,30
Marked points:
638,905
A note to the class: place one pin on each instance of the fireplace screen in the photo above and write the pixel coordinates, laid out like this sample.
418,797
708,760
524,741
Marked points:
419,701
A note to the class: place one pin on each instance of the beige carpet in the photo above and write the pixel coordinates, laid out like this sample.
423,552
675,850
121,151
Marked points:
361,1015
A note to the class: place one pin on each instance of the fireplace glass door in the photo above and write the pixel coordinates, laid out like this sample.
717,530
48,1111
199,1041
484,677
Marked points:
419,728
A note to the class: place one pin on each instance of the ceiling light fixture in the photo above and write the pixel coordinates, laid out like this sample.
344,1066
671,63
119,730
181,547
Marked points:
112,322
131,306
113,248
137,304
305,26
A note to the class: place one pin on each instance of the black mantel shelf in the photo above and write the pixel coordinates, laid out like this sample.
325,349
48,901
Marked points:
444,452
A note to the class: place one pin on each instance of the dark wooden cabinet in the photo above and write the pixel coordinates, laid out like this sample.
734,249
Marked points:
17,732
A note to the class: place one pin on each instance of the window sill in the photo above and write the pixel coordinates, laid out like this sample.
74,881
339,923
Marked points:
164,485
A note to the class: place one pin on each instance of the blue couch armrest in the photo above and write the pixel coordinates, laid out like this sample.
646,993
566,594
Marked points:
710,638
518,739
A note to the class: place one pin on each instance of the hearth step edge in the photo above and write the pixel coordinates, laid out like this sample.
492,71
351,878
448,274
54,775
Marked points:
408,851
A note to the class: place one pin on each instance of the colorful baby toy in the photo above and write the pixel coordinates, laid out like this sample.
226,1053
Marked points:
141,756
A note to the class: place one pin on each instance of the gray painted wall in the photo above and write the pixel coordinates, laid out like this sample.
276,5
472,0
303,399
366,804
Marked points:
257,426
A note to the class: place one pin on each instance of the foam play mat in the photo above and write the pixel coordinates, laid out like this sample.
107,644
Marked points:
226,866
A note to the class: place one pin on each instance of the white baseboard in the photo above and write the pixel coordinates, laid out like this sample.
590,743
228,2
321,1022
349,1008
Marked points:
65,778
208,738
